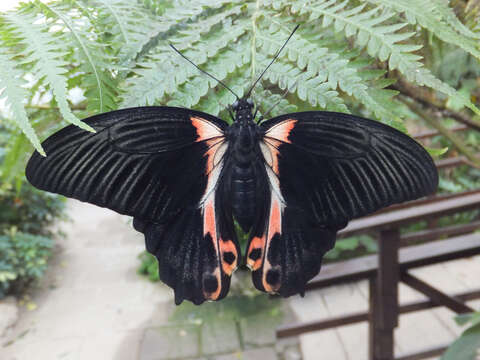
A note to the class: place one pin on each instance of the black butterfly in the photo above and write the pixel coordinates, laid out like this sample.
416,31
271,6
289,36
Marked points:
292,182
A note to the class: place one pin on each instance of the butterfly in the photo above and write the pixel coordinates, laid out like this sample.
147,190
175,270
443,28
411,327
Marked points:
185,176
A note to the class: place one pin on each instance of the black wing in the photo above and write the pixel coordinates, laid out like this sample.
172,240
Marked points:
162,166
325,169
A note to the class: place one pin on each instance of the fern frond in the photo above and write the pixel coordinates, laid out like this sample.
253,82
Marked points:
189,94
136,29
437,17
306,85
12,90
446,12
277,104
194,33
328,64
99,84
130,23
41,49
380,41
164,71
218,98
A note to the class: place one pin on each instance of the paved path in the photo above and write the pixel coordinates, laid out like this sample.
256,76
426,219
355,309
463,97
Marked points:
92,305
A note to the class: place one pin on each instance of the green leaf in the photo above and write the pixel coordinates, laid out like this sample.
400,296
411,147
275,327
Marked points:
101,93
466,347
42,51
436,152
12,90
463,319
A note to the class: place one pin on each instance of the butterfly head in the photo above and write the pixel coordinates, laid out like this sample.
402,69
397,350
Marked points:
243,109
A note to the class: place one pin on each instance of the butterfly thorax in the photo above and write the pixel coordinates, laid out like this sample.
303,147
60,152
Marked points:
243,134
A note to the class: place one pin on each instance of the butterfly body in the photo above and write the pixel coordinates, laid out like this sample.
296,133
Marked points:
244,135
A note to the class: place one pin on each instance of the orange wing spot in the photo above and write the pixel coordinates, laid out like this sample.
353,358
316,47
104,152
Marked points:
205,129
228,250
256,248
282,130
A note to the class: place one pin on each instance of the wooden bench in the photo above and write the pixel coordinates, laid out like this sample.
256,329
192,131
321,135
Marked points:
392,264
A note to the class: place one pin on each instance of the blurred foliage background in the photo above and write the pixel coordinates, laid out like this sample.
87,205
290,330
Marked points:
408,63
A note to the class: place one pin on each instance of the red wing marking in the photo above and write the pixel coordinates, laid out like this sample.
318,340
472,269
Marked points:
205,129
210,227
275,220
274,228
225,249
259,246
209,223
281,131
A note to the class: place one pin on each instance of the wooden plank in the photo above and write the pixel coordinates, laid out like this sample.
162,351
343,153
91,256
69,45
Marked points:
451,162
440,251
383,317
426,200
352,318
441,232
430,133
409,257
435,295
414,214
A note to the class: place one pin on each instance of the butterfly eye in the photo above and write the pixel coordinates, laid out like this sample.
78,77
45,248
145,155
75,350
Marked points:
250,102
235,105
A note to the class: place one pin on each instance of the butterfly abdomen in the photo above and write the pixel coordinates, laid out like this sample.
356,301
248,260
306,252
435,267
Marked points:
243,186
243,176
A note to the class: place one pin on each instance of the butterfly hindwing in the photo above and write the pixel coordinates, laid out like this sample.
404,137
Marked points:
323,170
162,166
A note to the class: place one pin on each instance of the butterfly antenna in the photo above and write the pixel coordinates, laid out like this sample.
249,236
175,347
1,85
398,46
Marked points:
271,62
203,71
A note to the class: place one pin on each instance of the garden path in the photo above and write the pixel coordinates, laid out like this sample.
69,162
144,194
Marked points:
92,304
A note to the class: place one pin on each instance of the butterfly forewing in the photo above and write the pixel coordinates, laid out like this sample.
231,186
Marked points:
160,165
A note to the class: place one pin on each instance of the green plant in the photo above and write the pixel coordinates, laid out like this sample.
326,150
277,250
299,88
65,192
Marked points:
29,210
467,346
23,259
351,247
350,56
148,266
26,232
